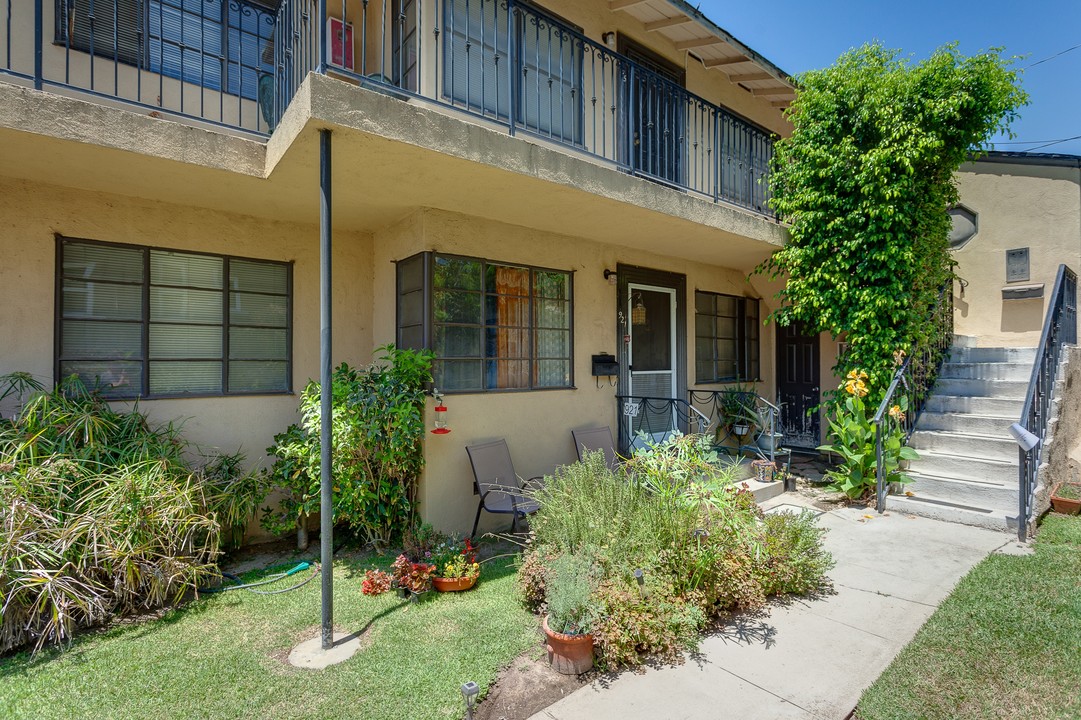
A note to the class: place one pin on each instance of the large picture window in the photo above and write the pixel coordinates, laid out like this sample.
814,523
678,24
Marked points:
726,338
492,326
145,322
217,44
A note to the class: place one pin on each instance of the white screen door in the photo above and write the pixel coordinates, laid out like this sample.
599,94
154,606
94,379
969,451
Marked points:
651,354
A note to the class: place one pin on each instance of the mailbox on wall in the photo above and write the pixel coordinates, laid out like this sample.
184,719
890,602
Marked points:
605,366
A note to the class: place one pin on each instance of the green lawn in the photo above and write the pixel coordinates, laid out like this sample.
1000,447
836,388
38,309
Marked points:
223,656
1005,644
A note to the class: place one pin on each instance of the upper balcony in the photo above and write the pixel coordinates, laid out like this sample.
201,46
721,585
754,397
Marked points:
503,63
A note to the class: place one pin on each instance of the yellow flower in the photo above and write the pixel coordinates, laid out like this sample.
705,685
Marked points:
896,414
899,357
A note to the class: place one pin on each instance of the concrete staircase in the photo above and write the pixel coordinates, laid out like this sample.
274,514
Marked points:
967,471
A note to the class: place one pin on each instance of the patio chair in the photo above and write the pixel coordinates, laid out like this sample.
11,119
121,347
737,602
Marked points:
495,481
593,439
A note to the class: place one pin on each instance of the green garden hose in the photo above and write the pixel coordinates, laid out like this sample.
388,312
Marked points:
250,587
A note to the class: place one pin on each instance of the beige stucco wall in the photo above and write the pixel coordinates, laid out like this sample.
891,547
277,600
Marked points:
1033,206
30,215
535,424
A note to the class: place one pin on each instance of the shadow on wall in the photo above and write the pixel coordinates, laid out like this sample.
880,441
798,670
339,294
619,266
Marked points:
1022,316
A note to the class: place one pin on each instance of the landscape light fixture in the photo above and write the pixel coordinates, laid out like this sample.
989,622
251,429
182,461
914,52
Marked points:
470,690
1024,439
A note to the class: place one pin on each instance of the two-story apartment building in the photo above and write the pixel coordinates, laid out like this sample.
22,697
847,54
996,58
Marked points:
517,186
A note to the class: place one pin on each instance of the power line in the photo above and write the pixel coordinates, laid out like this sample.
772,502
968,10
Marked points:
1052,57
1048,144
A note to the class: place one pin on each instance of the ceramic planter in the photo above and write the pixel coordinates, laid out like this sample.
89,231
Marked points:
764,471
453,584
569,654
1064,505
768,443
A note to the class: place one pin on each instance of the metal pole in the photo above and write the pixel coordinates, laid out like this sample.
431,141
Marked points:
39,29
326,506
324,38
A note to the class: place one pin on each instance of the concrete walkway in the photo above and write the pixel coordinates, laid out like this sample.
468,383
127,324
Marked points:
809,659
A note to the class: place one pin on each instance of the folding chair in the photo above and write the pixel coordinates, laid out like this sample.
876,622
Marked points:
495,481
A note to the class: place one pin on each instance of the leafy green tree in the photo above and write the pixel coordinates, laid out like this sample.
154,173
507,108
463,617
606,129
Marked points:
865,182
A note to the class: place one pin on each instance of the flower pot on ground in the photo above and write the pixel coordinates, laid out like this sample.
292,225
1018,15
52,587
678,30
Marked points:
1066,498
568,654
456,566
764,470
412,581
571,610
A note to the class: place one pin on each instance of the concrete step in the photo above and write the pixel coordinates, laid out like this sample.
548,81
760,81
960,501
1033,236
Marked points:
986,371
1012,389
988,495
970,423
942,509
764,491
993,355
1001,407
988,447
966,468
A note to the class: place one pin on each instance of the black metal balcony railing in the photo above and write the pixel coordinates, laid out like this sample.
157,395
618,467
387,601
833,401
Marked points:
1059,329
646,420
238,63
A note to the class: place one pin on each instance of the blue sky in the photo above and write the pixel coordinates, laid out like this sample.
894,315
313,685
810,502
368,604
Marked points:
800,35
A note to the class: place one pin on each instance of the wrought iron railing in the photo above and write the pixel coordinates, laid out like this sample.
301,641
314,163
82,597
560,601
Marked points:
1059,329
913,380
644,420
725,408
205,60
238,64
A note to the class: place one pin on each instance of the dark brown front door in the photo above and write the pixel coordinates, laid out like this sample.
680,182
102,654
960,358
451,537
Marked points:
797,386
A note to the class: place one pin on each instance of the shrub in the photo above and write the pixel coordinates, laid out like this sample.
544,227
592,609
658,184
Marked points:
674,513
795,560
630,625
378,423
416,577
570,594
375,582
102,513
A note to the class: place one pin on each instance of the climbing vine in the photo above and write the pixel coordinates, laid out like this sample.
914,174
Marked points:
865,182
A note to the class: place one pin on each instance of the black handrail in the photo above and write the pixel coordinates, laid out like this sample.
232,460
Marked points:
651,415
714,402
916,375
1059,328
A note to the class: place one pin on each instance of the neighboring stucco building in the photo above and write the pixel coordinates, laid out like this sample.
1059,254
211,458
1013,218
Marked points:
1018,220
491,162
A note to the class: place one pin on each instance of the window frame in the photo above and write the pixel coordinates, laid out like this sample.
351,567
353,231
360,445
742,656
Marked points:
742,341
145,323
428,325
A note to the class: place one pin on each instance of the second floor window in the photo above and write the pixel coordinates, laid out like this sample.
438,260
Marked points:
492,326
216,44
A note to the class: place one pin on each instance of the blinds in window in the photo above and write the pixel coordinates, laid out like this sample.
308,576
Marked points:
550,101
137,321
104,27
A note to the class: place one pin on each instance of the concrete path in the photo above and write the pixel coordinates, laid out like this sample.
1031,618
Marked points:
809,659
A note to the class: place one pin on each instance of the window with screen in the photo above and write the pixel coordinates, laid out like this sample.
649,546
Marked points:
492,326
726,337
136,321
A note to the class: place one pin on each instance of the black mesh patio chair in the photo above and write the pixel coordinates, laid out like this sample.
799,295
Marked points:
498,486
594,439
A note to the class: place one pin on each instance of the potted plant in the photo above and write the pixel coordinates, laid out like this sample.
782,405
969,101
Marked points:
412,581
1066,498
764,470
739,410
456,566
570,614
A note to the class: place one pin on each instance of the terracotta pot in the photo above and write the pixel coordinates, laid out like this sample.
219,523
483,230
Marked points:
569,654
453,584
1066,506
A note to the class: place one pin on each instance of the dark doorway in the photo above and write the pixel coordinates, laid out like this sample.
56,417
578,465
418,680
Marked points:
798,372
655,107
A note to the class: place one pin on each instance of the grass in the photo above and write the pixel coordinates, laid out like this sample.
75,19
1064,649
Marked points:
223,656
1005,644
